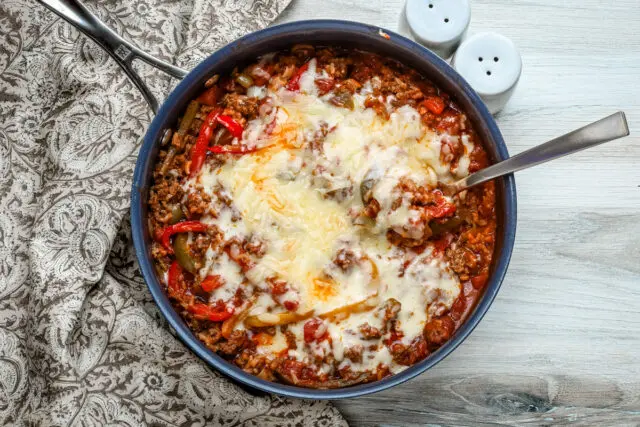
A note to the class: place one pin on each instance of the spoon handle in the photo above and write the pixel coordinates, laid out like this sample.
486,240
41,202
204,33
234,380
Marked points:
607,129
122,51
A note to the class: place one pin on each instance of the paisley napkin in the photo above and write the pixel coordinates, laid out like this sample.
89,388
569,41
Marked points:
81,341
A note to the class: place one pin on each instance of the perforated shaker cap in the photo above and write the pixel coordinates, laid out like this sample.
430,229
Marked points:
438,24
492,65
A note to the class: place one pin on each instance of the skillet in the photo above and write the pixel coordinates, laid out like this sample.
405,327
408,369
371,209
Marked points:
242,51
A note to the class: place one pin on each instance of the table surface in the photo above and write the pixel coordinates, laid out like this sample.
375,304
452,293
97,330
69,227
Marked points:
561,342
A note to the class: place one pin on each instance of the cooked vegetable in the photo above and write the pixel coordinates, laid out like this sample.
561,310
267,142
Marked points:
181,227
480,280
371,177
199,150
232,149
223,137
211,283
294,81
206,312
229,325
176,214
314,330
209,96
181,250
442,208
343,99
168,158
213,80
272,319
189,115
244,81
435,104
346,310
174,277
231,124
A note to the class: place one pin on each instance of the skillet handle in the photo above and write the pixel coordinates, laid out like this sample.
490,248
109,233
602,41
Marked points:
122,51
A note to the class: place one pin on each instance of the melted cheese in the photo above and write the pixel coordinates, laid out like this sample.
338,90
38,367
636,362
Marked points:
309,149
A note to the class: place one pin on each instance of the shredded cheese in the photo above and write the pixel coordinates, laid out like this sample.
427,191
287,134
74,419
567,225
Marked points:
285,196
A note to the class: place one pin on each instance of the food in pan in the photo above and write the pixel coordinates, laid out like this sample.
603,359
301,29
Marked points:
298,222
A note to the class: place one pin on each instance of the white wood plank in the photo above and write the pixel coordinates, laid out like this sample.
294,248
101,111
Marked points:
561,343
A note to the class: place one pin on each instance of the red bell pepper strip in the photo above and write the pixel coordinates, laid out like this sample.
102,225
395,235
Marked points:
199,150
480,280
209,96
435,104
443,208
325,85
174,277
294,82
441,245
231,124
314,330
232,149
204,311
181,227
211,283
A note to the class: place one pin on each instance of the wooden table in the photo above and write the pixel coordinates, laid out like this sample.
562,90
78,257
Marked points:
561,343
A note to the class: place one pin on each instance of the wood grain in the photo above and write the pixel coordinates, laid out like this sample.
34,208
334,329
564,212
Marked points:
561,343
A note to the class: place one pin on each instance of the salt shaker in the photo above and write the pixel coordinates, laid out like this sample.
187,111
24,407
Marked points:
438,24
491,64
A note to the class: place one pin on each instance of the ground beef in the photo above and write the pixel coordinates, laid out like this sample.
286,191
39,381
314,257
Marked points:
354,353
345,259
390,311
418,196
317,139
397,239
438,331
200,245
236,342
409,354
163,197
409,96
255,246
210,336
198,204
292,340
235,250
244,105
372,209
337,68
350,85
378,106
461,259
369,332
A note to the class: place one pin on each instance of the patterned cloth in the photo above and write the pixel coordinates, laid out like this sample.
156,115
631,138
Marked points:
81,341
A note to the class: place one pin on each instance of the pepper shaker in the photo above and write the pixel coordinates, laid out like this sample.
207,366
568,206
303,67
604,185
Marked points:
438,24
491,64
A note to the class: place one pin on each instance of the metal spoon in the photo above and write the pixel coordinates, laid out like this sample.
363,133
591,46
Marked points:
604,130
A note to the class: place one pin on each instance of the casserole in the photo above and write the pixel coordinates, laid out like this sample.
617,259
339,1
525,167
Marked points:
349,35
299,221
242,51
